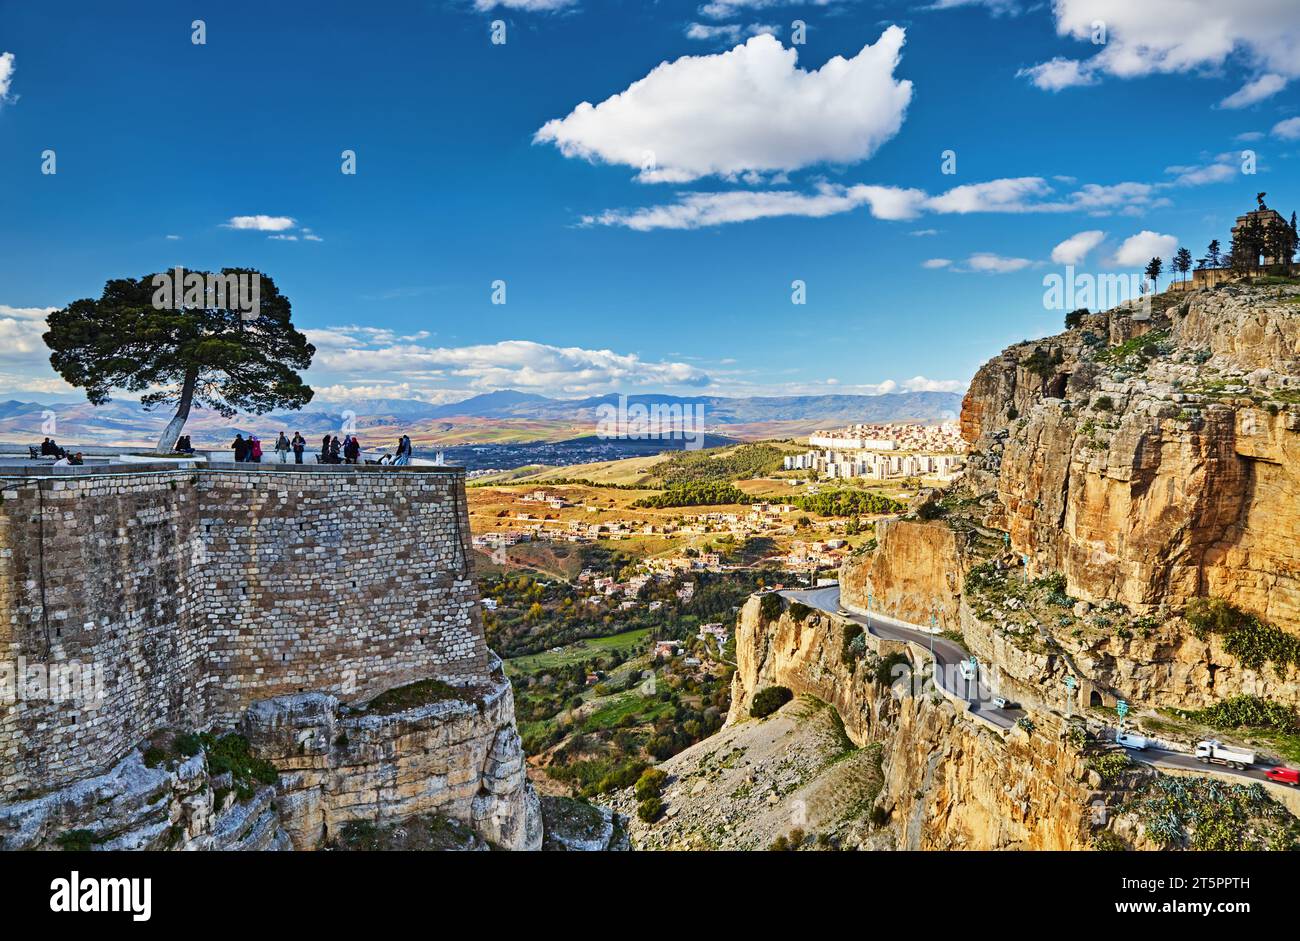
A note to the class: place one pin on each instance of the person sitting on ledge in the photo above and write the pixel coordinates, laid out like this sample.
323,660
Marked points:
183,445
50,449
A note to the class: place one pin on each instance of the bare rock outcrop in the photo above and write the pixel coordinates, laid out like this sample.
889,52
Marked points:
459,758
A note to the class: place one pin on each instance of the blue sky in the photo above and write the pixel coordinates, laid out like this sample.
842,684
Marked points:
772,162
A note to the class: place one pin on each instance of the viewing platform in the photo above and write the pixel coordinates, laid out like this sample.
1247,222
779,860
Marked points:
16,462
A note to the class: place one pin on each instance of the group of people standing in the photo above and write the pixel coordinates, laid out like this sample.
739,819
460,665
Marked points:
332,450
250,449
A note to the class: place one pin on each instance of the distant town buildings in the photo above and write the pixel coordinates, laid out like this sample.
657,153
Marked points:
884,451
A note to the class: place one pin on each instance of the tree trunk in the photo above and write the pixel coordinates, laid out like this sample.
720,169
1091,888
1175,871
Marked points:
167,443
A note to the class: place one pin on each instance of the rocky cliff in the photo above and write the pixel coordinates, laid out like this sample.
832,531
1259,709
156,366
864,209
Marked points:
1151,461
297,771
946,780
1145,458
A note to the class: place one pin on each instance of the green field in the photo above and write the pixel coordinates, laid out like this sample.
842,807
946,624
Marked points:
617,707
575,653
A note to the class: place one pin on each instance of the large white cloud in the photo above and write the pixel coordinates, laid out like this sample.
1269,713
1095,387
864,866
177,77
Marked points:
1076,248
1139,249
750,110
1167,36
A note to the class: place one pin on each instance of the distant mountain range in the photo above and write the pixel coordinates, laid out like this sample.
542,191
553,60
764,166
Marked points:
834,409
506,416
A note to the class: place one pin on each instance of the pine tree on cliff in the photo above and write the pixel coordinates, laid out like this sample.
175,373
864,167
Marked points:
1154,267
184,343
1213,253
1183,262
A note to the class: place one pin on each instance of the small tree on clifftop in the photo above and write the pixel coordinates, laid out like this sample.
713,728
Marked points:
185,353
1183,261
1154,267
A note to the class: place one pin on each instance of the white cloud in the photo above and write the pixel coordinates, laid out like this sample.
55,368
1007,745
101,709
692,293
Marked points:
996,7
922,233
1172,36
1288,129
747,110
936,263
1076,248
989,263
172,238
528,6
1008,195
724,9
1139,249
261,223
21,329
1057,74
7,68
1220,171
1125,198
728,32
1266,86
1015,195
699,210
385,390
519,364
922,384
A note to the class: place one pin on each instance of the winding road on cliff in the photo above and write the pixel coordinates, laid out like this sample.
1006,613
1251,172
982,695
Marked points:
949,655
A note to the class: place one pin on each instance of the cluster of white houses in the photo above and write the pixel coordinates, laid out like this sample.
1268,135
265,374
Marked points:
892,436
883,451
875,465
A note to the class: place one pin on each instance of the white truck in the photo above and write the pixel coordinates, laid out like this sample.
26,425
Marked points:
1221,754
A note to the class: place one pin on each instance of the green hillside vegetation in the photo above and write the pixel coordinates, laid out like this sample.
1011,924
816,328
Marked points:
847,502
711,493
716,464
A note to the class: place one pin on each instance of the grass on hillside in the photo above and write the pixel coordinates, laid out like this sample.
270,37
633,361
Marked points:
576,653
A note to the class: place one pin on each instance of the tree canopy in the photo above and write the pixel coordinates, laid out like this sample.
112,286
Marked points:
217,356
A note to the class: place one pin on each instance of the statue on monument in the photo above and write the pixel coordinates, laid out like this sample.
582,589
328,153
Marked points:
1259,198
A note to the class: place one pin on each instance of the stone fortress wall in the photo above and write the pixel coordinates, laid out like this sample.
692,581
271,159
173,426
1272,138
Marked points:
200,592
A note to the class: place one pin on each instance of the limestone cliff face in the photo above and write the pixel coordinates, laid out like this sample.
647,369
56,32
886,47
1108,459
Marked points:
1159,470
459,758
917,570
1149,458
949,783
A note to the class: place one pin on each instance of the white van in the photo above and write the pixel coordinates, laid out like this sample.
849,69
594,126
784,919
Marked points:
1131,740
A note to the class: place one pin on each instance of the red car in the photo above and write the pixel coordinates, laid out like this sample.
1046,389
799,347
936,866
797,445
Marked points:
1289,776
